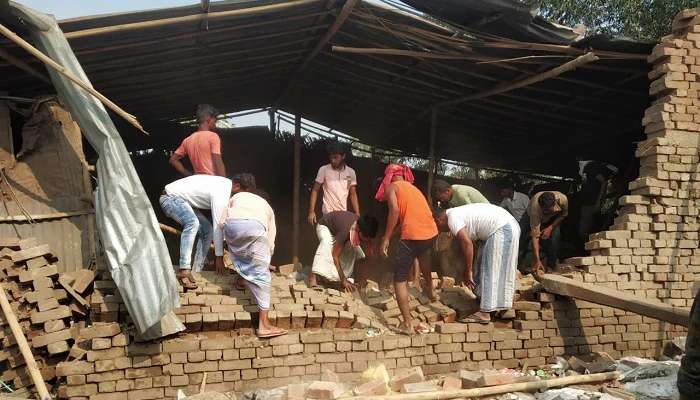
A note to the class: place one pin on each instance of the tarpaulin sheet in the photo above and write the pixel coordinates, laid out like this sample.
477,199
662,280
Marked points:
134,246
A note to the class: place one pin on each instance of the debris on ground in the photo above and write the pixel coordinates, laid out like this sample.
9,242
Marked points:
51,309
573,394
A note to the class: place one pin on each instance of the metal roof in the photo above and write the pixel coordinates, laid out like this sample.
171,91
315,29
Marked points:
244,54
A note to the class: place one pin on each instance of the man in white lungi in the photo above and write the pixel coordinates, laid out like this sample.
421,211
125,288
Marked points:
494,279
340,235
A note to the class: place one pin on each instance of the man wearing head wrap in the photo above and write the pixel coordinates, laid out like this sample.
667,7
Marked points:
408,208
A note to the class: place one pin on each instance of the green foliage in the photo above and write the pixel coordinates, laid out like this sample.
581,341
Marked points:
637,19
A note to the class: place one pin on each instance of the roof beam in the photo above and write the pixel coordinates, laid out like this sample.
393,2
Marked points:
135,26
571,65
339,21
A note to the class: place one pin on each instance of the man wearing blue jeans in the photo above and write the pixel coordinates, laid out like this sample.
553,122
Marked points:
181,201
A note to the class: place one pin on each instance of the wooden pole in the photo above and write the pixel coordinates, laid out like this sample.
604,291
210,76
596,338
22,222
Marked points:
188,18
63,71
613,298
273,126
431,162
571,65
297,190
337,24
403,53
24,348
494,390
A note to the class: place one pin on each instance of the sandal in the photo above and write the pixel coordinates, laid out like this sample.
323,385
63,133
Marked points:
186,281
472,318
272,334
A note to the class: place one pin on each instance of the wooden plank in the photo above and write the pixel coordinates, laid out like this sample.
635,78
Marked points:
614,298
63,281
47,304
36,262
23,255
83,279
28,243
24,348
45,340
30,275
38,317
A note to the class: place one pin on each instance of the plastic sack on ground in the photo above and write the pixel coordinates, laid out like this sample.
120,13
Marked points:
655,388
573,394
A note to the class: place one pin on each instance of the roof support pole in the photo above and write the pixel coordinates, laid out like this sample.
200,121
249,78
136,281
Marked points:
297,191
332,30
273,126
432,162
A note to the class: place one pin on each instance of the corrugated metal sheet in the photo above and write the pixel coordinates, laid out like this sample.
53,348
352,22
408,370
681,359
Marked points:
67,238
50,180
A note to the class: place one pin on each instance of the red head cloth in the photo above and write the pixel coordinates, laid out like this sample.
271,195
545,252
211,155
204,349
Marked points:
390,172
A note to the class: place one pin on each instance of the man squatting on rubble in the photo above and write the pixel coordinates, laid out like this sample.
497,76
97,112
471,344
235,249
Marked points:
249,228
494,278
339,182
544,216
409,208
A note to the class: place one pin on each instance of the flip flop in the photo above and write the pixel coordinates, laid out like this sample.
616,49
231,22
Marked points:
475,320
273,334
187,282
239,285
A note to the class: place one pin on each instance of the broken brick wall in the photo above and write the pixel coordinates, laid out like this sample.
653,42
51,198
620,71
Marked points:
652,249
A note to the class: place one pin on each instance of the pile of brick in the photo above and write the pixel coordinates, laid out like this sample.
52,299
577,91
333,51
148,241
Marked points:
422,308
408,380
217,305
50,307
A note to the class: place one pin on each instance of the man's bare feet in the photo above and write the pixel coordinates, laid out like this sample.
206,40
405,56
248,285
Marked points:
478,317
271,331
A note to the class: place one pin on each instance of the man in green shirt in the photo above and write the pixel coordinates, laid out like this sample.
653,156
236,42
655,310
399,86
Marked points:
456,195
447,251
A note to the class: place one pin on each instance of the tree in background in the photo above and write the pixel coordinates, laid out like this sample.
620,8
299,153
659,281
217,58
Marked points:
636,19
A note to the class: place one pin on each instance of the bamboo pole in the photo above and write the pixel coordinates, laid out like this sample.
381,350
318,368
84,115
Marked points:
297,190
188,18
494,390
24,348
571,65
399,52
63,71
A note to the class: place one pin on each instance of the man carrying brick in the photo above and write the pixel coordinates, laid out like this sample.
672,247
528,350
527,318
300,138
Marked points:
203,148
249,227
544,216
340,235
408,208
494,278
338,182
183,201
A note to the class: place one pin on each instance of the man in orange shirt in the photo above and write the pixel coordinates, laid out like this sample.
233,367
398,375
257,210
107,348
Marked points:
409,208
203,147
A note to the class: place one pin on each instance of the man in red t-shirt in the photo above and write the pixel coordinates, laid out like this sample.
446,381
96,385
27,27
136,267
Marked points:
203,147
